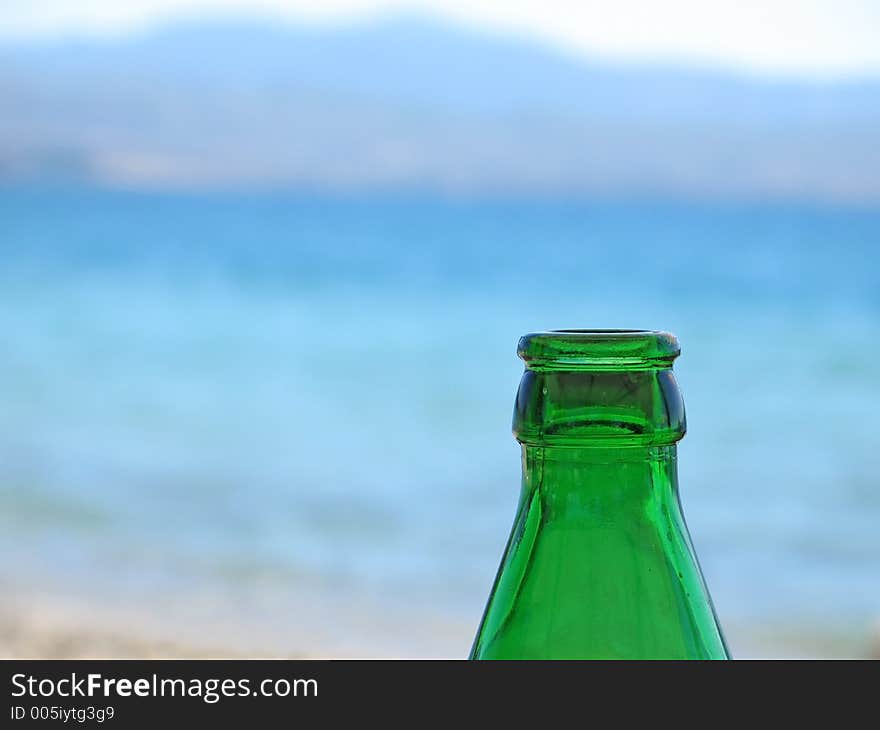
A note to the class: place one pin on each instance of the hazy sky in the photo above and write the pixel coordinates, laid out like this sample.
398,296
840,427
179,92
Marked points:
804,37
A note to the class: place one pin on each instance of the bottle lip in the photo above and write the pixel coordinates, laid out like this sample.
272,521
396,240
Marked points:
591,349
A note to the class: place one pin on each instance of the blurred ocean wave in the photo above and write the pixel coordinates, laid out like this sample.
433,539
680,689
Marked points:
286,406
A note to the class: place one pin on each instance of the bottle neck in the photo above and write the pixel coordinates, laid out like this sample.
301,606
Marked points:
599,563
601,409
602,480
598,415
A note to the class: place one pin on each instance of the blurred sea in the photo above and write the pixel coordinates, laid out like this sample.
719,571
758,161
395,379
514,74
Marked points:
291,414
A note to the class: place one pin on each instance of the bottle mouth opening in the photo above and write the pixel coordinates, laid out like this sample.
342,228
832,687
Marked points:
599,332
593,349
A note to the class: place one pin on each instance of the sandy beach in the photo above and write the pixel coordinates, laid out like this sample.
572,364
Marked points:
47,624
65,627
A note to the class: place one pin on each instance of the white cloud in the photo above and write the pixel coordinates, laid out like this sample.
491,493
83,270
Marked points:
824,37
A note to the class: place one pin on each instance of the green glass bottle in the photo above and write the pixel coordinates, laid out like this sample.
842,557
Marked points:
599,564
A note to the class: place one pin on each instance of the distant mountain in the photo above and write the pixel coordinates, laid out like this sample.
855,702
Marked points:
412,103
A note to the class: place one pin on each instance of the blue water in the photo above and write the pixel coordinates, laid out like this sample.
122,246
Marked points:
286,394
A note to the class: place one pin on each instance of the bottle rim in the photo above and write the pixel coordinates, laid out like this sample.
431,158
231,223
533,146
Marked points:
589,349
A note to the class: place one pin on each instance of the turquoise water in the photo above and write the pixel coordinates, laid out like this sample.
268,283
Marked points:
282,395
